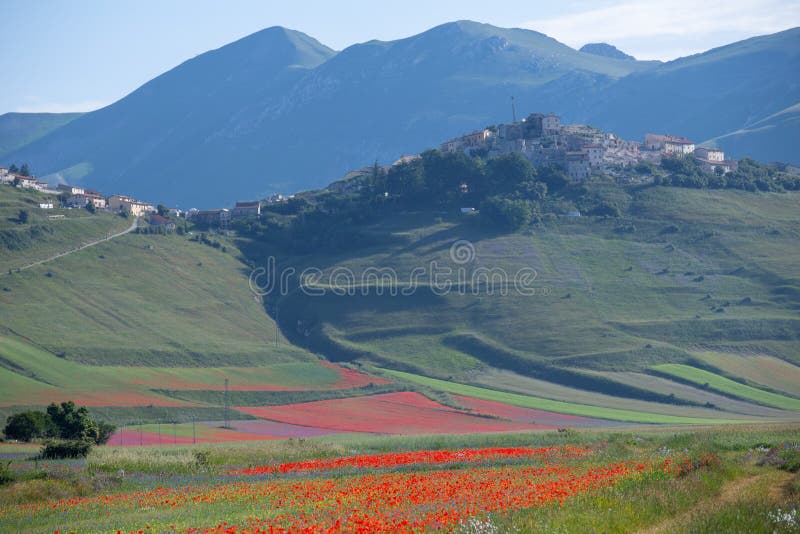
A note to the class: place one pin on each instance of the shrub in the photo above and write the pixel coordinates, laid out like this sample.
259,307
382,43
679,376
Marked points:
6,476
26,426
59,449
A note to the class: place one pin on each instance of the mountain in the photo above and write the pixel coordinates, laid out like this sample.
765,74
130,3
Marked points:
716,93
773,138
174,133
19,129
279,112
605,50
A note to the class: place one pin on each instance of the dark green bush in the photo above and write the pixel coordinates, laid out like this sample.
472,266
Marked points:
59,449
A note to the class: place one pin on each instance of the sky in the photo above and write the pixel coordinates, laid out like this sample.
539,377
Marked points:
81,55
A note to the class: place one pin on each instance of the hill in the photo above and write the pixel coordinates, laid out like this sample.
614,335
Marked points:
606,50
19,129
705,280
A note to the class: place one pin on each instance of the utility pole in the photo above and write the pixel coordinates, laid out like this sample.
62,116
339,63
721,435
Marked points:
226,404
194,433
174,433
276,323
513,110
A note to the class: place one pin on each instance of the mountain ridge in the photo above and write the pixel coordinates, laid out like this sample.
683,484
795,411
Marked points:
277,111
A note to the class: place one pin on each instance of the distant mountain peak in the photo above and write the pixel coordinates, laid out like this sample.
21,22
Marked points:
605,50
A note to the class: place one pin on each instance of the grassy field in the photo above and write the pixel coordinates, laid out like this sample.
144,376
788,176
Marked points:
32,376
727,386
760,369
720,479
42,237
158,301
539,403
685,277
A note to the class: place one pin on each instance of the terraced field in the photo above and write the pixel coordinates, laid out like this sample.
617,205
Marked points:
727,386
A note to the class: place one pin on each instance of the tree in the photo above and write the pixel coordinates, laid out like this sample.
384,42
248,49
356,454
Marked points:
554,176
505,173
162,210
508,213
72,423
25,171
90,207
26,426
22,217
13,169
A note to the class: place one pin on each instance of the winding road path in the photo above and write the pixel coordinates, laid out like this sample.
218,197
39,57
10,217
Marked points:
130,229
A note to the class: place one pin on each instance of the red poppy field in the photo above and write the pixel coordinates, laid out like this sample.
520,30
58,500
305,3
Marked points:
389,413
586,481
370,495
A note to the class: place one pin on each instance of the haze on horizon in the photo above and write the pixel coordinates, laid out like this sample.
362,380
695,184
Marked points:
80,57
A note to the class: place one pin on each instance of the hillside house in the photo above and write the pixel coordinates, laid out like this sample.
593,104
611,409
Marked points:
5,176
212,218
70,189
678,146
161,222
28,182
88,196
45,205
594,153
711,159
668,144
127,204
578,165
246,209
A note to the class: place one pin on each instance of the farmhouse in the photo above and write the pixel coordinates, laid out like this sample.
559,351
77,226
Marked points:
678,146
711,159
161,222
80,200
246,209
70,189
129,205
219,218
668,144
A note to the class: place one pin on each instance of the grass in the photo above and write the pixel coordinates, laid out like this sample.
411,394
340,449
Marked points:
733,492
755,367
42,237
727,386
140,300
608,301
539,403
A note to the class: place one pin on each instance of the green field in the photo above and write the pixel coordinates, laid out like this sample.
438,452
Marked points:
538,403
705,480
42,237
758,368
160,301
728,386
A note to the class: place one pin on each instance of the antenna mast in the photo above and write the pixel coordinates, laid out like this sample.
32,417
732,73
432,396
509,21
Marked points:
513,110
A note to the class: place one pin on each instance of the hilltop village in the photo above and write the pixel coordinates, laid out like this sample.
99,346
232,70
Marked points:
579,151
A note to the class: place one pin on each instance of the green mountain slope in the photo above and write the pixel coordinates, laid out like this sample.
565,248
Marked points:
19,129
683,272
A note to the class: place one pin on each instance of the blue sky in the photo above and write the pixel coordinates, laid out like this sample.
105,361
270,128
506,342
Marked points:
62,55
